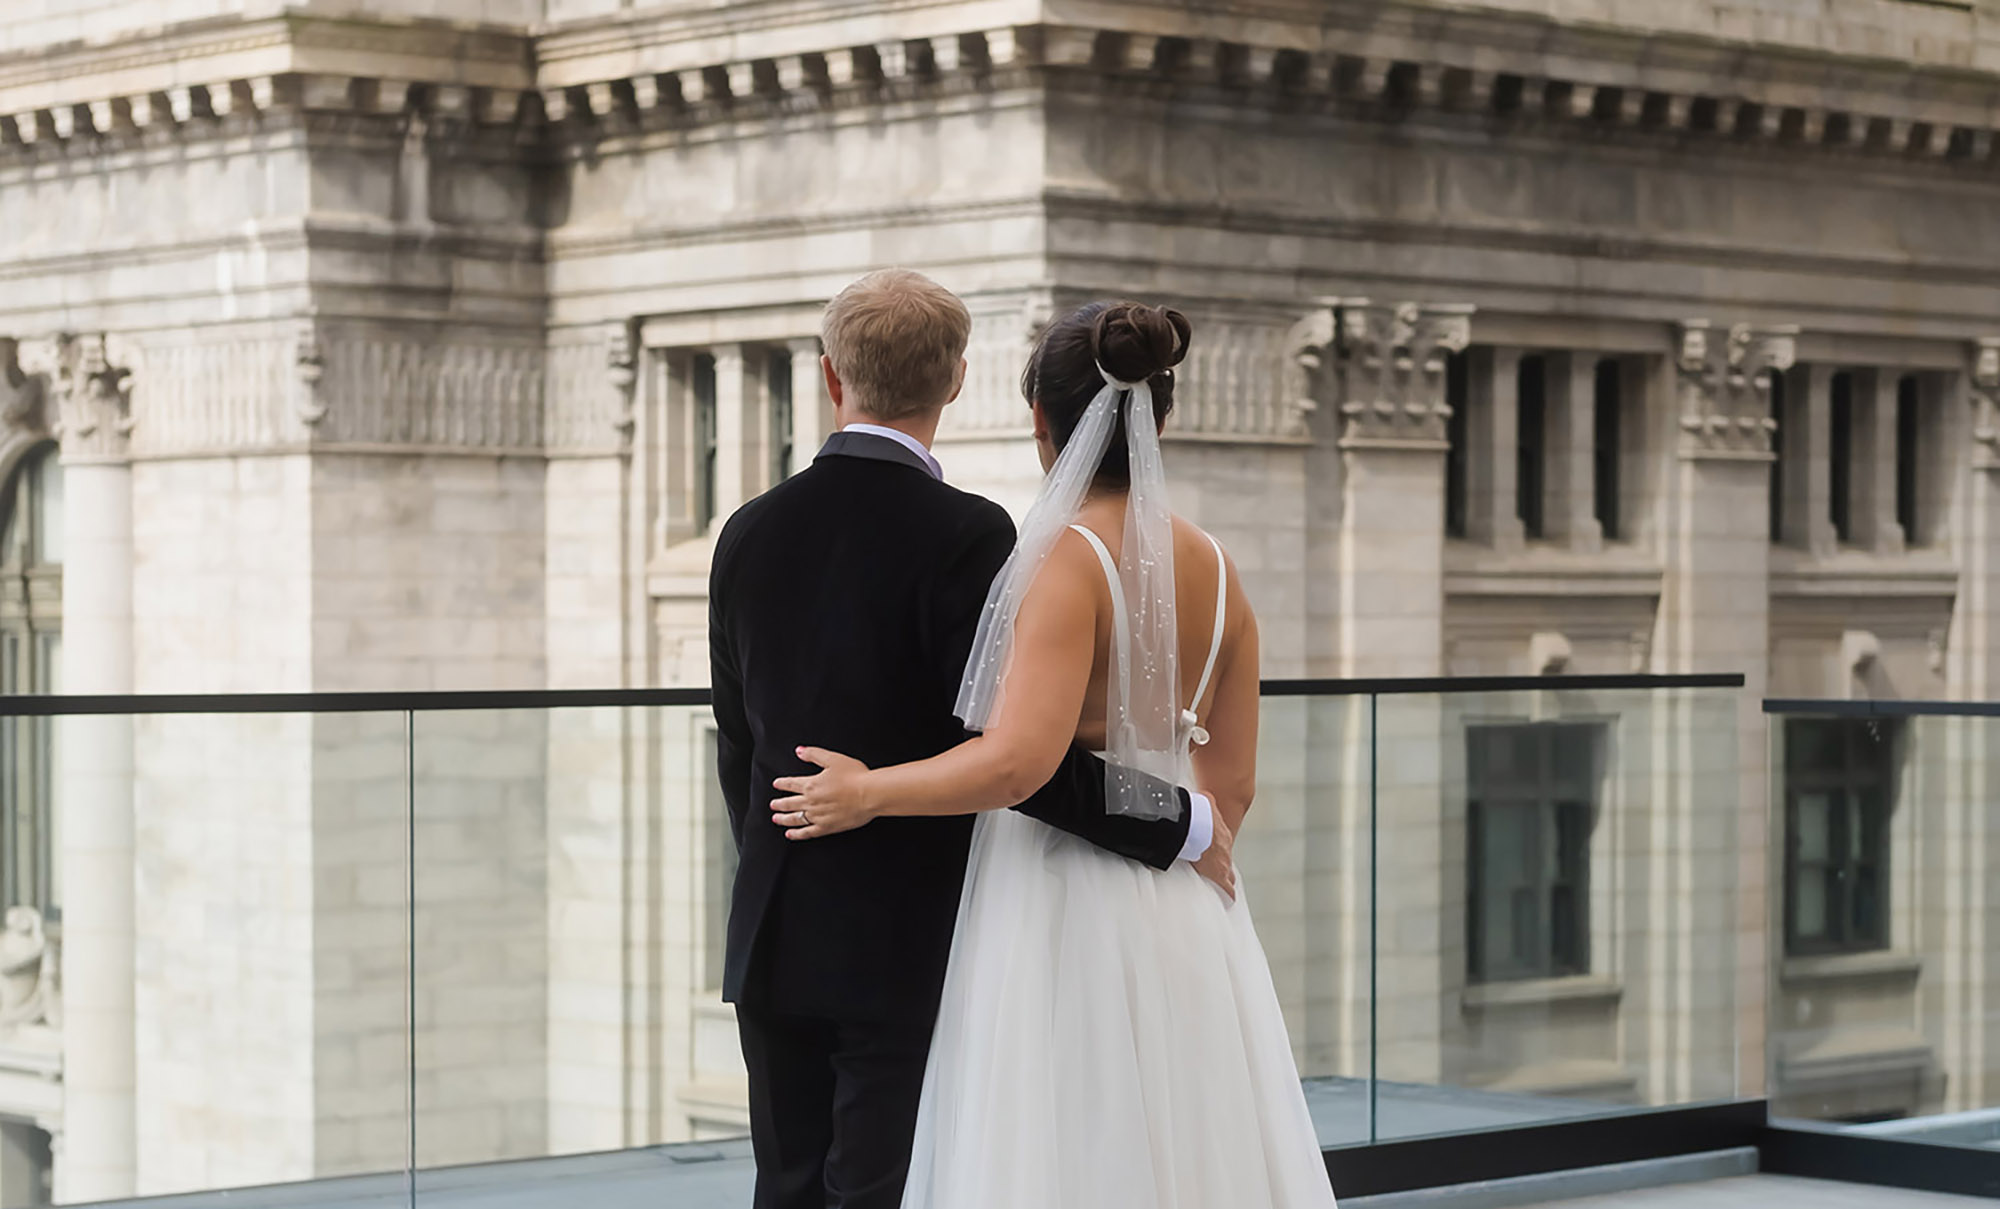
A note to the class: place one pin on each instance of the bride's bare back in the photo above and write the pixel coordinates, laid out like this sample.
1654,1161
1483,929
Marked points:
1225,767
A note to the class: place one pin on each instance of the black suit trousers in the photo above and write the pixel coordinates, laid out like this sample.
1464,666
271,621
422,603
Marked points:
833,1108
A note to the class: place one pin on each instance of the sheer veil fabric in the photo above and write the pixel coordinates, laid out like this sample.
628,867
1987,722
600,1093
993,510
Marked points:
1143,727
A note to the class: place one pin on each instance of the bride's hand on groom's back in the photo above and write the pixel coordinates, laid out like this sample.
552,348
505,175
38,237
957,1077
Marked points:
828,802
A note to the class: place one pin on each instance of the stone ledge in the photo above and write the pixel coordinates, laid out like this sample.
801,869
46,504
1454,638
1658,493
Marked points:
1848,967
1541,992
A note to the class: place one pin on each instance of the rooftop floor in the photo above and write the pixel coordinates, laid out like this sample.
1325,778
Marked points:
717,1175
1775,1192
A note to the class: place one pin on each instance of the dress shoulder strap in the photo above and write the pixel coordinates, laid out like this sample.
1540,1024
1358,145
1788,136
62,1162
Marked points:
1121,625
1221,615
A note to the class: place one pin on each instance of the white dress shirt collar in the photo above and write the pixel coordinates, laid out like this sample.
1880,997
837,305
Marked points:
904,439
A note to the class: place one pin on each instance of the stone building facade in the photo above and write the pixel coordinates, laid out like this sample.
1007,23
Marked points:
410,344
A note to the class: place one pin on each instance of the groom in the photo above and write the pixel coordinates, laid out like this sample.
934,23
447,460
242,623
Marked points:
842,608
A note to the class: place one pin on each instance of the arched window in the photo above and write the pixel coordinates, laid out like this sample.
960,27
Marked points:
31,553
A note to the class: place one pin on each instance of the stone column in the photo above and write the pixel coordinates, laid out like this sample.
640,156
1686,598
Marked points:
1387,365
1968,1050
812,410
741,423
1572,453
1808,441
1714,617
1876,527
100,1140
1494,430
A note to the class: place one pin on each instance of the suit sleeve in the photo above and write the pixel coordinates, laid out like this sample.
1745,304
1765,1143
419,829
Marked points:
1073,799
732,724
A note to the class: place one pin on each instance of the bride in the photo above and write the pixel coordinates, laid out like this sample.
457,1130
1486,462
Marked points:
1109,1036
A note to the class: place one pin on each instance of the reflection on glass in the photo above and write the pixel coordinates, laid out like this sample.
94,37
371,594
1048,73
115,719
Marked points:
1505,907
1556,906
1839,784
1888,970
1529,812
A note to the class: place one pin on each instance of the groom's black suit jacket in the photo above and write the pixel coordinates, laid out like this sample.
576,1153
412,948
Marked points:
842,608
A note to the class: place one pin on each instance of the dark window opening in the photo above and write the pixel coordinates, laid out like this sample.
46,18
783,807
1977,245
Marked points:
1908,436
703,390
1530,455
1457,392
778,377
1840,457
1608,404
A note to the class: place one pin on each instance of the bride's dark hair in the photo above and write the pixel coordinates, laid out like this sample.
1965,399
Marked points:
1133,342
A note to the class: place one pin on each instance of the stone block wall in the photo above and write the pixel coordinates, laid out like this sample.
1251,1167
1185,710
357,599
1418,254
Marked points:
428,572
481,927
227,952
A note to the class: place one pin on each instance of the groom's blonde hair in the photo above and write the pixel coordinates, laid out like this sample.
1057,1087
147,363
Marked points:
895,338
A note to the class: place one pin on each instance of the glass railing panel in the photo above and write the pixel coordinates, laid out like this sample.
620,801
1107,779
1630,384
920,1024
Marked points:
1886,922
1303,857
573,869
1556,914
211,994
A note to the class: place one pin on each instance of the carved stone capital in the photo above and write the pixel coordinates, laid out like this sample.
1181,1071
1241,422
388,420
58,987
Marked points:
1985,380
22,413
93,400
1726,388
1307,362
621,361
1388,369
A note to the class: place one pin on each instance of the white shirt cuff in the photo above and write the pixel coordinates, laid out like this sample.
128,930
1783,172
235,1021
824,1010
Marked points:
1201,827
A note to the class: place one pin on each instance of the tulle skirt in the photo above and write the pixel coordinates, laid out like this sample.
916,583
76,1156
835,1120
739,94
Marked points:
1109,1038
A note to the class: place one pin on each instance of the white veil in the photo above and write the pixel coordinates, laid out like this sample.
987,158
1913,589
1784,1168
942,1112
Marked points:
1143,724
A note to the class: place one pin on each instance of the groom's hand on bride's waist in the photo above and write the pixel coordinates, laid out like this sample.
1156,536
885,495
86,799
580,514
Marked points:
1218,864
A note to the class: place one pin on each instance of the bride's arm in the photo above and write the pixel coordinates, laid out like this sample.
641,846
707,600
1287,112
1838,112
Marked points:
1024,745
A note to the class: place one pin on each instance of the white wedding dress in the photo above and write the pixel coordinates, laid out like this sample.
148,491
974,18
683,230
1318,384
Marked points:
1109,1037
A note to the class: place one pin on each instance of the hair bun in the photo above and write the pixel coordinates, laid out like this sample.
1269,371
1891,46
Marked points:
1136,343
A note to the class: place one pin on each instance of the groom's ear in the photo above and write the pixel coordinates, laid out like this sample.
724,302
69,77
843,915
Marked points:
957,382
834,390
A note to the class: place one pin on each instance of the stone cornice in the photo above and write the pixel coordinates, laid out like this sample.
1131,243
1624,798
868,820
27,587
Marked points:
1389,63
208,67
